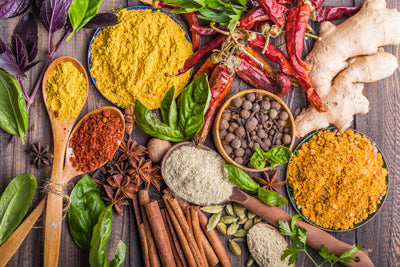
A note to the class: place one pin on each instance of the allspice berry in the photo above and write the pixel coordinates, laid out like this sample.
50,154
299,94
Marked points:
275,105
283,115
287,139
228,150
247,105
265,105
237,102
251,124
239,152
229,137
251,97
273,113
223,124
240,132
222,134
236,143
245,114
226,115
256,107
238,160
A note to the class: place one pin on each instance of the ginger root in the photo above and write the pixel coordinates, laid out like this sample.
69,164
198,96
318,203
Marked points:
350,51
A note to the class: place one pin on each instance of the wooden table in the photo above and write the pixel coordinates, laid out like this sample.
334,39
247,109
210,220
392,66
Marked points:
381,236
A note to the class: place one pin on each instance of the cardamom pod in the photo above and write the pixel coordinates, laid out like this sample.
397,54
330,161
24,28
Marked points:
250,261
242,221
239,210
229,210
235,248
257,220
229,219
239,233
250,215
232,229
239,239
221,227
247,225
213,221
212,209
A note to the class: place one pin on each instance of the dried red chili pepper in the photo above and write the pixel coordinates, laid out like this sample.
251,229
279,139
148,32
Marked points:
255,14
274,11
189,63
316,3
191,20
283,2
220,85
328,13
207,67
208,31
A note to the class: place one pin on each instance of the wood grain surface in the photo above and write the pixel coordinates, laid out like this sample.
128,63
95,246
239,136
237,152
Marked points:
381,236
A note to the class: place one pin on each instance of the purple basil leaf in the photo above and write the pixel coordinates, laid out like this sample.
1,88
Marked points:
20,53
8,63
102,20
53,14
31,65
13,8
3,47
27,31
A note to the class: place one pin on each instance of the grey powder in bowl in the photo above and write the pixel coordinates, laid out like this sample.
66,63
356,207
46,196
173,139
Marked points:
198,176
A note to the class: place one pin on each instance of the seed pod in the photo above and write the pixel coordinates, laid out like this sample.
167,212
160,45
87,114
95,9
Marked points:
235,248
221,227
239,210
213,221
212,209
247,225
257,220
242,221
239,239
229,219
232,229
250,261
229,210
250,215
240,233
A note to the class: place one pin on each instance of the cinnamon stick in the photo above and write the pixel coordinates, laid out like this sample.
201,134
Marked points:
188,217
215,241
160,234
210,253
171,241
179,232
143,200
194,213
142,232
175,239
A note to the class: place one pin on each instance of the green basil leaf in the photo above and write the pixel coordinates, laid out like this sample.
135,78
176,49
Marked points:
15,202
84,210
240,178
193,104
81,12
278,154
271,198
119,256
257,159
151,125
13,115
169,112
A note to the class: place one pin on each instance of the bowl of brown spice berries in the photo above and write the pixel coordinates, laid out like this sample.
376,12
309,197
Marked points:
252,119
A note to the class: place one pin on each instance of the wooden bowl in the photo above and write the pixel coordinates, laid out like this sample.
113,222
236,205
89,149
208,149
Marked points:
217,139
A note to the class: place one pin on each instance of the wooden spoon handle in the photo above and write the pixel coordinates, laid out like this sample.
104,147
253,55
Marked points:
315,237
11,245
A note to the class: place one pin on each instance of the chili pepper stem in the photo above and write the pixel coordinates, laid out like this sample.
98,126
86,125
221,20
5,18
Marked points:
311,29
313,36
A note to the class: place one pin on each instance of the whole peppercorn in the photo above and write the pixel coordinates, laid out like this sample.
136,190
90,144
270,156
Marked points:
237,102
251,124
226,115
240,132
223,124
229,137
238,160
261,133
275,105
273,113
282,123
247,105
236,143
245,114
265,105
286,130
244,144
239,152
256,107
228,149
286,139
222,134
283,115
251,97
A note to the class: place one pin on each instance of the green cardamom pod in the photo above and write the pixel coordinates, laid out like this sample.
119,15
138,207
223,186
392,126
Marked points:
257,220
213,221
221,227
239,210
212,209
229,210
229,219
251,215
240,233
239,239
247,225
232,229
235,248
250,261
242,221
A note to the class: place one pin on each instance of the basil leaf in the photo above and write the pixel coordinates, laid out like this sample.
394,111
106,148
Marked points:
168,109
84,210
81,12
26,33
102,20
240,178
15,202
9,9
151,125
193,104
278,154
53,14
13,115
271,198
257,159
119,256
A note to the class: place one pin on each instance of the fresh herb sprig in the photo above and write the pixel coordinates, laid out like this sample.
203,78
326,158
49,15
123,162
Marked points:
276,155
226,13
299,238
243,180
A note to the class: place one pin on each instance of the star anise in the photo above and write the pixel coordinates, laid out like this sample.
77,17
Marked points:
270,183
122,167
40,155
130,120
118,189
143,170
130,149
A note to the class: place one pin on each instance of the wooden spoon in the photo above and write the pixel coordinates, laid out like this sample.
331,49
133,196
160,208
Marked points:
61,131
316,237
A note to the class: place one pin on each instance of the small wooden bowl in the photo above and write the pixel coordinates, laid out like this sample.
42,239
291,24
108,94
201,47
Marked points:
218,141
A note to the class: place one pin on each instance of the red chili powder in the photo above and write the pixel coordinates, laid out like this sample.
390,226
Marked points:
95,141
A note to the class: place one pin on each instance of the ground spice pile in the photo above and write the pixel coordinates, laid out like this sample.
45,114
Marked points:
344,172
130,60
66,91
95,141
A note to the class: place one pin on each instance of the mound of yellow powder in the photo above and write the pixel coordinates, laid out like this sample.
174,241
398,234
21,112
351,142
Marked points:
66,91
129,60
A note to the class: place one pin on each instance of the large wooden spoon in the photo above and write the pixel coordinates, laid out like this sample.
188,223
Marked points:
61,131
315,237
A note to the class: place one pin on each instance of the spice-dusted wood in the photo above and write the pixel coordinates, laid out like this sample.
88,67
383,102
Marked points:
381,236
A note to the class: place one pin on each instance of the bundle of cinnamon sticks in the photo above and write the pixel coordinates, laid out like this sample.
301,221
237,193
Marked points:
173,236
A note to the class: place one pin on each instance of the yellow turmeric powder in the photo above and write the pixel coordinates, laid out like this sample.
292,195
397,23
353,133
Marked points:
129,60
66,91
